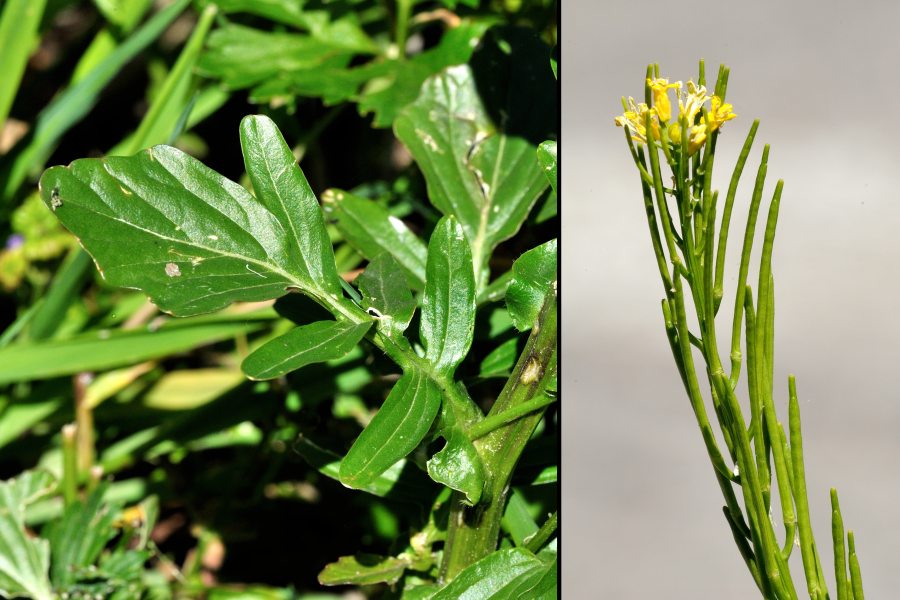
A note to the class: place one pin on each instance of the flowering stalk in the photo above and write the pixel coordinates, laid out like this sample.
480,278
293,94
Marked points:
682,220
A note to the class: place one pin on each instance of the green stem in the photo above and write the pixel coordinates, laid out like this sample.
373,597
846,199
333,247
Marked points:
537,540
473,532
84,421
492,422
70,464
404,10
398,349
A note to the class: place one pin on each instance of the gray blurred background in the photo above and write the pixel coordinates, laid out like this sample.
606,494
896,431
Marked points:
641,509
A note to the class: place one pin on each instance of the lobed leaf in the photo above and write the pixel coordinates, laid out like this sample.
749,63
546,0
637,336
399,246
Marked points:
24,559
195,240
448,302
397,428
77,539
301,346
363,569
243,56
396,85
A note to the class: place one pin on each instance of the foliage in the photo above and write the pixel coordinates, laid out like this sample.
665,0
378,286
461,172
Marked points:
343,325
691,262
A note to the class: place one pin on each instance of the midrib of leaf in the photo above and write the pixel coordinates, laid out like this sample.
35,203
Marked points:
478,243
306,350
221,253
445,325
411,392
288,217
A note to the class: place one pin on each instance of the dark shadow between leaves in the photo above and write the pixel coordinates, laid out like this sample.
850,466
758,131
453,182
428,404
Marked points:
511,67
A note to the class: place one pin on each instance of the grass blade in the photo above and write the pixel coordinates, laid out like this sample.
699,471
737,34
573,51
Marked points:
18,37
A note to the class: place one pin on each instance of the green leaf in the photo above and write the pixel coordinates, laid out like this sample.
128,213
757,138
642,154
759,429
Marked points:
19,25
332,81
546,154
472,132
118,11
383,287
162,118
190,388
501,360
77,539
491,577
195,240
261,592
44,399
459,467
420,592
363,569
517,519
372,230
448,302
282,188
97,351
301,346
395,431
243,56
24,559
75,102
538,582
395,87
451,4
393,481
288,12
554,61
548,208
534,276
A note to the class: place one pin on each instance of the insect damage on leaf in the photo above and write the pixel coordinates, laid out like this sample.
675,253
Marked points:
55,200
172,270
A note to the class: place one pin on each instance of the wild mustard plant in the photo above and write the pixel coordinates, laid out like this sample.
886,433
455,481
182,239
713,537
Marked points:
681,210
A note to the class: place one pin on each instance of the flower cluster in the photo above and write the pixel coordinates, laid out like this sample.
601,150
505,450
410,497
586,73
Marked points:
691,100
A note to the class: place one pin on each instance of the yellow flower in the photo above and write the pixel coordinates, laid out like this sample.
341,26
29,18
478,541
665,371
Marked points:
660,89
697,137
635,119
719,112
690,103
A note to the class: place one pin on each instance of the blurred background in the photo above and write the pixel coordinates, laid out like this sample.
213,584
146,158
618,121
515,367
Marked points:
642,510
